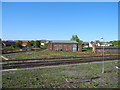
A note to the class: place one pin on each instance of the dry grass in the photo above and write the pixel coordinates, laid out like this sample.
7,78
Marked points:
54,54
75,76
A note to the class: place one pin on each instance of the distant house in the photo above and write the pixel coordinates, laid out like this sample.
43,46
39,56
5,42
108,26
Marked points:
90,44
3,44
111,49
8,43
64,45
105,44
98,43
43,42
85,44
24,42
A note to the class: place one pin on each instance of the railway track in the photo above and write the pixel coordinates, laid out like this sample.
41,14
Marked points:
57,58
28,63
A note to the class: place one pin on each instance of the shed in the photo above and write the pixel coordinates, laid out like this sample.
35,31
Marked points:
64,45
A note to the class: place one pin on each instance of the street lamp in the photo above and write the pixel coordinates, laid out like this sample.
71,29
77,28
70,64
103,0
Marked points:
102,51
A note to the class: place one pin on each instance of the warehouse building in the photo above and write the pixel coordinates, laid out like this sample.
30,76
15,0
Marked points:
64,45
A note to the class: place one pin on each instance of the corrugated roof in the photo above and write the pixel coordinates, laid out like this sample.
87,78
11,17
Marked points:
63,41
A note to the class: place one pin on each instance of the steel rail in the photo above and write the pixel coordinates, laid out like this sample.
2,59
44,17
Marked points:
54,58
47,64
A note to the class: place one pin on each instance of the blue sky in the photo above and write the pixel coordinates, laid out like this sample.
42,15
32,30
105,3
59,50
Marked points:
59,20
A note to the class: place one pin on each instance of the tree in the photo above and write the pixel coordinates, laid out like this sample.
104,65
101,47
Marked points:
37,43
12,46
46,45
30,43
115,42
75,38
19,44
91,42
33,43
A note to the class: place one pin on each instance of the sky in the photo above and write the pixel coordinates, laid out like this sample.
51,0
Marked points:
59,20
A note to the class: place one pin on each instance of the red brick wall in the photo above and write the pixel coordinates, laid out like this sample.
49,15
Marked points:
79,47
50,46
106,50
64,46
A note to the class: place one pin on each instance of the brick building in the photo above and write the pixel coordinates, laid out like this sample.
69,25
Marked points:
64,45
111,49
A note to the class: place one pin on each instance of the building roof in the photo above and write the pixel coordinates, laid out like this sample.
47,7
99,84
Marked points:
85,42
62,41
22,40
107,47
24,43
104,43
8,42
44,41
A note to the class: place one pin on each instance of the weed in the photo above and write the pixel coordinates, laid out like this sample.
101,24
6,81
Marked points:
55,77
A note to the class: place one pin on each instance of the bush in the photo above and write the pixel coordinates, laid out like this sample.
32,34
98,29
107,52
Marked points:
46,45
89,48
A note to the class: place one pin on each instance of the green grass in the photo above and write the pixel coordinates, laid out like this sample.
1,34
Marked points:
78,76
54,54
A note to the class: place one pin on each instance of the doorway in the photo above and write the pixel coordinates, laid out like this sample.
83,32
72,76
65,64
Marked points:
74,48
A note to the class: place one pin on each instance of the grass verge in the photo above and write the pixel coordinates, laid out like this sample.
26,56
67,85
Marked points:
54,54
74,76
